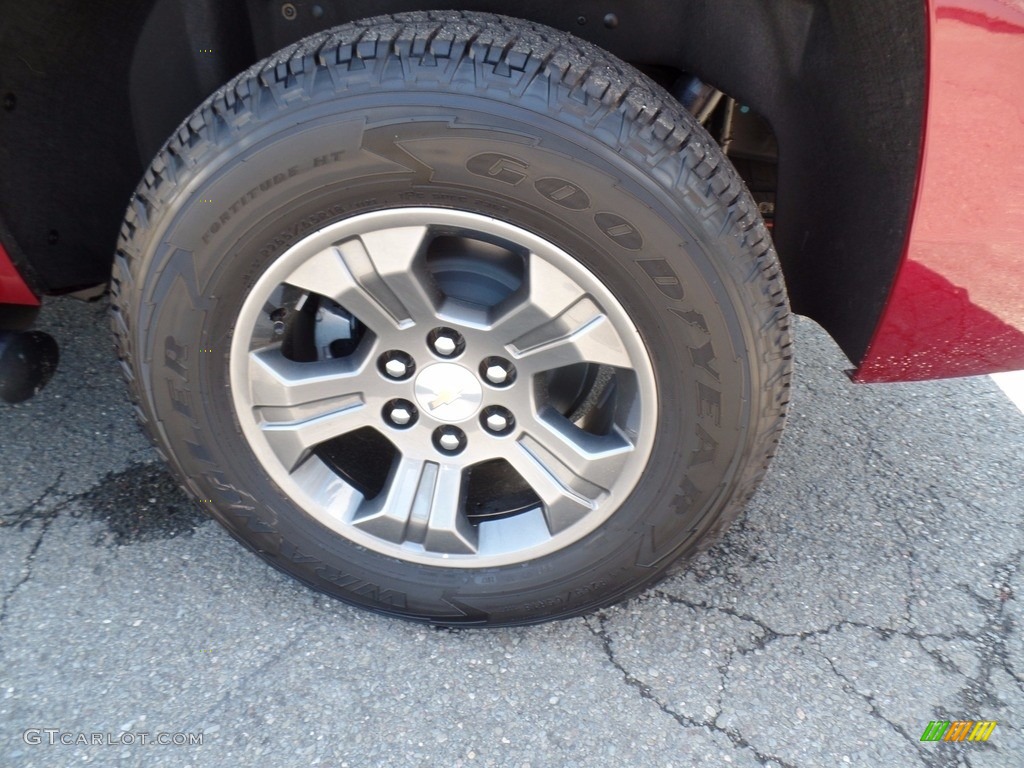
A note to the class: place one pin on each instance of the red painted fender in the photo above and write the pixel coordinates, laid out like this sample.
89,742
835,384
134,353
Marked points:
957,305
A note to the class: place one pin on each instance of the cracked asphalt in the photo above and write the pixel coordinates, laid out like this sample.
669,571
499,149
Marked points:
873,584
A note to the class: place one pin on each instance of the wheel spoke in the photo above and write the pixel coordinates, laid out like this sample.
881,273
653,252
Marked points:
448,528
557,324
581,334
569,469
548,292
392,255
422,503
303,404
373,277
387,515
336,497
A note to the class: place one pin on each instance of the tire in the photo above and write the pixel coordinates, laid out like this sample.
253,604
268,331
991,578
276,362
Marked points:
338,208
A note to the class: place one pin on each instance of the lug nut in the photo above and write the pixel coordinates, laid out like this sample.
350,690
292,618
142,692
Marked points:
401,416
446,342
444,345
449,439
396,369
400,413
497,423
497,420
496,374
498,371
396,365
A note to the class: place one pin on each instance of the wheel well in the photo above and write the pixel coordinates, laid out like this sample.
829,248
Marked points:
842,85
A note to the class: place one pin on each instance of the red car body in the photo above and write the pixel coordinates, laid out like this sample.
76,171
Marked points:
13,289
956,306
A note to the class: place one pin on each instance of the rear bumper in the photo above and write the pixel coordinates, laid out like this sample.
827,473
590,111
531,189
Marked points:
957,305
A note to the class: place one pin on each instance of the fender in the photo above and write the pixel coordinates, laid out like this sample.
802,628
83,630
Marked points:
957,305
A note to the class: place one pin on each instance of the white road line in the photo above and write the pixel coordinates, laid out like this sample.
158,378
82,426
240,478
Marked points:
1012,383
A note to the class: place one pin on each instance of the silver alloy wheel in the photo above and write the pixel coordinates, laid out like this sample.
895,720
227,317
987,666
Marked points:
558,320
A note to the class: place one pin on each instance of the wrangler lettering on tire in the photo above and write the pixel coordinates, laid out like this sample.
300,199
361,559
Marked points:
482,329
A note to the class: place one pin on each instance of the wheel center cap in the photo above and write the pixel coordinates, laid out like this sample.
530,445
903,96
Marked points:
448,392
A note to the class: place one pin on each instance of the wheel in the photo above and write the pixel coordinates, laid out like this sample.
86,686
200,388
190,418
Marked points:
454,317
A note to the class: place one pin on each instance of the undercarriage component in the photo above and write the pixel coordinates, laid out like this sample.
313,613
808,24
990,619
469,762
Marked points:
27,361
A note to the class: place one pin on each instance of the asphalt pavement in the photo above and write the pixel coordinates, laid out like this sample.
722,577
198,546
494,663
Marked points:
873,585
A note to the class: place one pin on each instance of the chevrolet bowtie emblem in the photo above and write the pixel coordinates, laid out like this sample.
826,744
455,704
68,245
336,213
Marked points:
445,396
448,392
